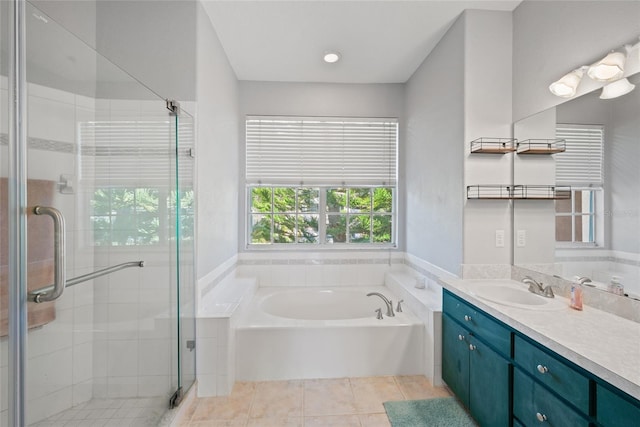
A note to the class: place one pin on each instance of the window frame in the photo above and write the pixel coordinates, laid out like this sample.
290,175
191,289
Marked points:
323,215
322,183
597,195
584,180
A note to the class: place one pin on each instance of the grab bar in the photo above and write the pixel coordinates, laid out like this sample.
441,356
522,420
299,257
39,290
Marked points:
54,292
77,280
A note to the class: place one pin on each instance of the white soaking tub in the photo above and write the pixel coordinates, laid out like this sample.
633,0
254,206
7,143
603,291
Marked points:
302,332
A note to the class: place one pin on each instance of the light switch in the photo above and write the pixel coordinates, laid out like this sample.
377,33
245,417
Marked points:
521,238
499,238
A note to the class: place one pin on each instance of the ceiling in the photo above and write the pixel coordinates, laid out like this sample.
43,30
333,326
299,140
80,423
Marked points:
380,41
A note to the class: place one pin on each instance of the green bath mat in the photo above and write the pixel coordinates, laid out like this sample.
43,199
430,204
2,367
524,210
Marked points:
440,412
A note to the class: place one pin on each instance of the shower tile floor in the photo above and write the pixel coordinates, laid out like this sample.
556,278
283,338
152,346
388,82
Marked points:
343,402
111,413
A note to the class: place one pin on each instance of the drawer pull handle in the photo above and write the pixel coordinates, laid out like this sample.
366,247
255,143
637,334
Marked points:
467,318
541,417
460,337
472,347
542,369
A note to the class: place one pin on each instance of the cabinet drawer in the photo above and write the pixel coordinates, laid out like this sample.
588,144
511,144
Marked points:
534,405
555,374
480,324
614,410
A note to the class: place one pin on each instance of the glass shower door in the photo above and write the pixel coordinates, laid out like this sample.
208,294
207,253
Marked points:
103,209
184,200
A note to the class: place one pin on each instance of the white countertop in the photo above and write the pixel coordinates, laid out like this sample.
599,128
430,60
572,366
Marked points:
604,344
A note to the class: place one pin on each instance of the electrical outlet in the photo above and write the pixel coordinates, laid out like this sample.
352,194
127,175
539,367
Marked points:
521,238
499,238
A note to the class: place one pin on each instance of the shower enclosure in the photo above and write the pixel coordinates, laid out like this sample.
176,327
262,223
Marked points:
96,235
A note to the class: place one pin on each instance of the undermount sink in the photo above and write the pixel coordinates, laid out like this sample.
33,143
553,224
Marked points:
514,295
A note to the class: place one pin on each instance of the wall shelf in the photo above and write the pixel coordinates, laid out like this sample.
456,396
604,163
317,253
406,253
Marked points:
493,145
541,146
518,192
490,192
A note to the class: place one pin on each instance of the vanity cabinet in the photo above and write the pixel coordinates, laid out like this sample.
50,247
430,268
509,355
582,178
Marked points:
505,378
553,373
476,373
533,405
614,410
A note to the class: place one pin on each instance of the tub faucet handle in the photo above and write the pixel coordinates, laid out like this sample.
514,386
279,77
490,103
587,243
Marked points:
379,314
399,307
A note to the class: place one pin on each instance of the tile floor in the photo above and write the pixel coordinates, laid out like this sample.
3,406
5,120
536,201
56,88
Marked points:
343,402
137,412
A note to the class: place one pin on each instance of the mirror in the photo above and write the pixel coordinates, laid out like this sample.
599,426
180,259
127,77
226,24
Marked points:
595,233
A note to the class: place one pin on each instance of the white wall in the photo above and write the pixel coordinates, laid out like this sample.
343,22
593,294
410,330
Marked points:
487,113
461,92
433,154
317,99
622,157
217,173
551,38
153,41
535,218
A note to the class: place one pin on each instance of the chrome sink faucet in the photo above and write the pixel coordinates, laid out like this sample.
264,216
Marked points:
537,288
388,302
582,280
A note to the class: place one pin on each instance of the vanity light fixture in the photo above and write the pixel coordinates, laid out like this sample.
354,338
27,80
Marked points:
609,69
616,89
566,87
331,56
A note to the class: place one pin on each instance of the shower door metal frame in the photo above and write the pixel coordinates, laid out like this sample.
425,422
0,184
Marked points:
17,215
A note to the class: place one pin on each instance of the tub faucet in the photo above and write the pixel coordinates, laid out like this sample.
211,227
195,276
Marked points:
537,288
388,302
582,280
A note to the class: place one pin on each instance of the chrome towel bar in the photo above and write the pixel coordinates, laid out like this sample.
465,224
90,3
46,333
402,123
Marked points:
53,292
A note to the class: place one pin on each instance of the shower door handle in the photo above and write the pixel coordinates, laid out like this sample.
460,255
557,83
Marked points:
59,261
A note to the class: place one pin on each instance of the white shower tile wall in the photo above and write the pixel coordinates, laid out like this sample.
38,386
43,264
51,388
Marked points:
60,352
111,336
134,356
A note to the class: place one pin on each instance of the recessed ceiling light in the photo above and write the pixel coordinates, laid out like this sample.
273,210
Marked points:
331,56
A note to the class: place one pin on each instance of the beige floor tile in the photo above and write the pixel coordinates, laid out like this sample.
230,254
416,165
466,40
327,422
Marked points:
374,420
371,392
188,413
277,399
333,421
415,387
233,407
219,423
328,397
276,422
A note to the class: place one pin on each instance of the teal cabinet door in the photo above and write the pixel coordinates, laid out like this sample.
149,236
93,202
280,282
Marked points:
488,385
455,358
533,405
477,375
615,410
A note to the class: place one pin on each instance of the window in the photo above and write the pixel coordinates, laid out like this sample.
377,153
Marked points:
130,167
321,181
139,216
580,166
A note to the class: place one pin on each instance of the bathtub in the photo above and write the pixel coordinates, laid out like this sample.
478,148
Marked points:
302,333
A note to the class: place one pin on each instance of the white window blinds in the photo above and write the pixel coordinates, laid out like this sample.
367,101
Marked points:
135,153
581,163
321,151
